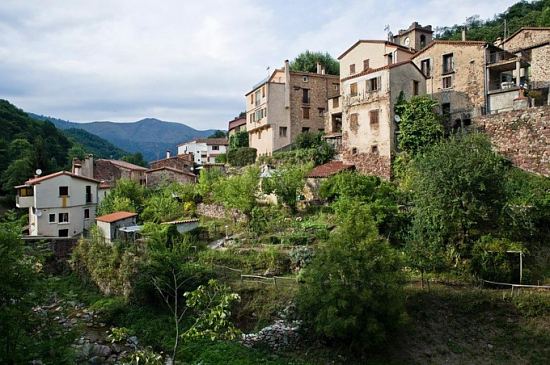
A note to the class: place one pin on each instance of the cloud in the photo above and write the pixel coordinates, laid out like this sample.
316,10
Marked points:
183,61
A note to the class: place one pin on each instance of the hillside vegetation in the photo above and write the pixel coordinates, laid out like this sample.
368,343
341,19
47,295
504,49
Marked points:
522,14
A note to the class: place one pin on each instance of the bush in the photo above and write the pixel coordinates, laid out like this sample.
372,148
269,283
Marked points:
109,308
241,156
300,257
491,261
296,239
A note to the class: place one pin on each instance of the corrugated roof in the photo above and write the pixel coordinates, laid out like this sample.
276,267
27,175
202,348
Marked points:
38,180
329,169
115,217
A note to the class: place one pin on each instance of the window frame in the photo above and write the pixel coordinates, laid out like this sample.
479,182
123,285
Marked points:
62,221
443,79
353,86
64,188
50,218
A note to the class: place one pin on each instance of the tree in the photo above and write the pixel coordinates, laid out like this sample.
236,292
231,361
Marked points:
457,195
218,134
135,158
352,290
238,140
207,179
307,62
127,195
162,207
287,182
238,191
420,126
241,156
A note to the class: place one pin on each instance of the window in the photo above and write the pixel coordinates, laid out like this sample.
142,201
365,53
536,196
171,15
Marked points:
63,191
416,87
374,149
335,102
260,135
448,63
63,218
374,119
86,213
353,89
251,98
26,191
257,97
354,122
263,91
305,129
365,65
321,130
373,84
305,96
426,68
422,41
215,148
306,79
352,69
354,151
63,233
305,113
336,87
282,131
321,111
447,82
390,59
51,218
88,194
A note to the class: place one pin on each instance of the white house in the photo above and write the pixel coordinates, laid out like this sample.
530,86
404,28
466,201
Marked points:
111,225
204,150
61,204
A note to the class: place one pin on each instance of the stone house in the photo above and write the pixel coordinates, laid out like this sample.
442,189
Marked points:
533,45
236,125
319,174
183,162
61,204
109,171
164,175
112,226
455,72
204,150
286,104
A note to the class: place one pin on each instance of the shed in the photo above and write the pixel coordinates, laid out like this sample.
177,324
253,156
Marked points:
185,225
111,225
321,173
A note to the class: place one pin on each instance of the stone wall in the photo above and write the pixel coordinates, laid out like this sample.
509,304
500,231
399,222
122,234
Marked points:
523,136
161,177
179,162
219,212
369,163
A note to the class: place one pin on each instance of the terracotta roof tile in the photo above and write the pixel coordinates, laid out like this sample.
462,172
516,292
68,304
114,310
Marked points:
372,70
329,169
126,165
115,217
38,180
237,122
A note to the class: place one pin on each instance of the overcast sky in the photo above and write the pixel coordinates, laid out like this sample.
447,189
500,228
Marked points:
180,60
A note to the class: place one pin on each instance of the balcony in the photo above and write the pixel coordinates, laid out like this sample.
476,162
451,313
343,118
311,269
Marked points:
24,201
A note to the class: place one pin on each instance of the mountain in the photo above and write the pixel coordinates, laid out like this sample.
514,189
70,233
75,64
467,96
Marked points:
151,137
27,144
93,144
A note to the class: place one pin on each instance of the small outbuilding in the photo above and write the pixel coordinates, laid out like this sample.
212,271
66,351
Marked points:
185,225
321,173
117,225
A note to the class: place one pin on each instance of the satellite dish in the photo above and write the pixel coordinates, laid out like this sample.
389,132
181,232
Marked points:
39,213
397,118
38,172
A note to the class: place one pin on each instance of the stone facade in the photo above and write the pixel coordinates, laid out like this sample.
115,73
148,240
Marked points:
525,38
165,175
219,212
182,162
540,69
369,163
523,136
286,104
463,97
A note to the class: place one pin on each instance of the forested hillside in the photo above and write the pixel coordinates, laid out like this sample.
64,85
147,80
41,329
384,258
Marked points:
26,145
90,142
521,14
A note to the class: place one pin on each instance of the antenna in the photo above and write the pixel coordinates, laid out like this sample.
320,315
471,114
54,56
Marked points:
387,28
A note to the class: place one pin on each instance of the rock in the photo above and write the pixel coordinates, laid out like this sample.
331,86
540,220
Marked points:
95,360
133,340
489,346
116,348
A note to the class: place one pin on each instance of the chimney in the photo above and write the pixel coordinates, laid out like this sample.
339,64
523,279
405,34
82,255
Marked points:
87,166
287,84
77,169
167,153
319,68
463,34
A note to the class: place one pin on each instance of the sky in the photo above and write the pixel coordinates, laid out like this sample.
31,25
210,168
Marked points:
178,60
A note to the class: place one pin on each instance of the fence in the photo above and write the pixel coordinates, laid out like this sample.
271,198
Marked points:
515,286
231,273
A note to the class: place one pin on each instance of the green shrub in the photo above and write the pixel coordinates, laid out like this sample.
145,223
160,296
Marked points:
109,308
300,257
296,239
490,259
241,156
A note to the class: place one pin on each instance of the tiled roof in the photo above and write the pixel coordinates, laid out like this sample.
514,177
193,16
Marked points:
449,43
372,70
126,165
38,180
209,141
115,217
237,122
388,43
104,185
329,169
171,169
522,29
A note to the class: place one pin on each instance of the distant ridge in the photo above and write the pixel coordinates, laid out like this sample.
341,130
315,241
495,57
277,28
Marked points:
150,136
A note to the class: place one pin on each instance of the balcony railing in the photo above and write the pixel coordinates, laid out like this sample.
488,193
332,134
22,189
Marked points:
497,57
